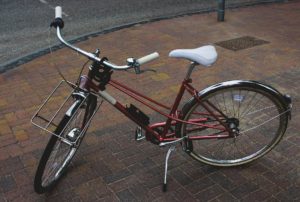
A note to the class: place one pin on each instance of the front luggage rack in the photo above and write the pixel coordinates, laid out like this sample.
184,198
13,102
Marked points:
50,113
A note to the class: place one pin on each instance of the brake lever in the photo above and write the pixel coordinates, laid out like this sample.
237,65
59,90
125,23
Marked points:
148,70
133,63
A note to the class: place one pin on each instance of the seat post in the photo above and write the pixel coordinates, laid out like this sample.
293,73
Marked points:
191,67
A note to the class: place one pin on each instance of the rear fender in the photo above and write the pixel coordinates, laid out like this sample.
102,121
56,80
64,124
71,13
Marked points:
284,99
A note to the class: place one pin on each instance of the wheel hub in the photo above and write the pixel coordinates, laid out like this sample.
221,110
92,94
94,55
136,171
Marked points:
233,124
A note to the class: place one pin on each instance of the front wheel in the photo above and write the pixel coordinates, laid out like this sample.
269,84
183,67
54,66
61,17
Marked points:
57,154
255,113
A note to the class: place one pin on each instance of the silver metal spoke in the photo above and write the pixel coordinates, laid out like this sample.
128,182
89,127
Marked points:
260,110
253,106
264,122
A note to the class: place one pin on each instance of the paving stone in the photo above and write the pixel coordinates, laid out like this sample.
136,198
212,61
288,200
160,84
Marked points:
225,197
126,195
210,193
117,176
100,168
92,190
10,165
267,185
278,179
290,194
199,185
124,183
223,181
181,177
63,196
150,180
242,190
140,192
110,197
258,195
7,183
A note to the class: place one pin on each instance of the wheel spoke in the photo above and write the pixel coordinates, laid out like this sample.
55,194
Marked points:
232,100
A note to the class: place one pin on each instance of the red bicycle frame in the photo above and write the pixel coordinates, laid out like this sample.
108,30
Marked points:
174,115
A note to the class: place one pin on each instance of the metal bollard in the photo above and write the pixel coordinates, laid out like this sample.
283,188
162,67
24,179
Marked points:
221,10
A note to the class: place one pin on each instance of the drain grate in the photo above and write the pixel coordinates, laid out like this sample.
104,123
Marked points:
241,43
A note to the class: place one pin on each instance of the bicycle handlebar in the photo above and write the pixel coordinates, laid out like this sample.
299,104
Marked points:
91,56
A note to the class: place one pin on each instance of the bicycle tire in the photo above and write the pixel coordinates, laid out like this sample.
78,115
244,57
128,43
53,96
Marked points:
252,121
40,186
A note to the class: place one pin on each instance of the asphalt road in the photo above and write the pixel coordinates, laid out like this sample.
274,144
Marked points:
24,24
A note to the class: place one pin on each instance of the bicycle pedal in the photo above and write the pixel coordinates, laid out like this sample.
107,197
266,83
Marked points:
139,134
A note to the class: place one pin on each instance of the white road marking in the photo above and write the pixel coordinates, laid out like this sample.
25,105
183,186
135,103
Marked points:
53,7
43,1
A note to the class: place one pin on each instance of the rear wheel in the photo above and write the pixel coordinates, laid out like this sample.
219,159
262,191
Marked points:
57,154
254,114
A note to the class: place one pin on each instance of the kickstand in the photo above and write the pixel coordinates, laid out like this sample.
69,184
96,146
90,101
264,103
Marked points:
171,148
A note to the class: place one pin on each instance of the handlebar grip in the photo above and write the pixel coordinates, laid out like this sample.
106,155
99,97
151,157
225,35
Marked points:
58,21
58,12
147,58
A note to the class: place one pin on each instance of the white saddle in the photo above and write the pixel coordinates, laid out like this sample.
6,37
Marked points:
205,55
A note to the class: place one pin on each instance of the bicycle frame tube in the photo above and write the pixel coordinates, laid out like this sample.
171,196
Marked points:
172,118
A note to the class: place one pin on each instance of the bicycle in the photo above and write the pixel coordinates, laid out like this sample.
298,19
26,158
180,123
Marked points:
227,124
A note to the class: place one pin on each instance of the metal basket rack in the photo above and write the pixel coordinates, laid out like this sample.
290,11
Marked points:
49,114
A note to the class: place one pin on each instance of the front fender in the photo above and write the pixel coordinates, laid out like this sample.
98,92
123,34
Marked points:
73,108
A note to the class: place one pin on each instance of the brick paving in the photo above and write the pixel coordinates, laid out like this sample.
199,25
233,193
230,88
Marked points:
110,165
